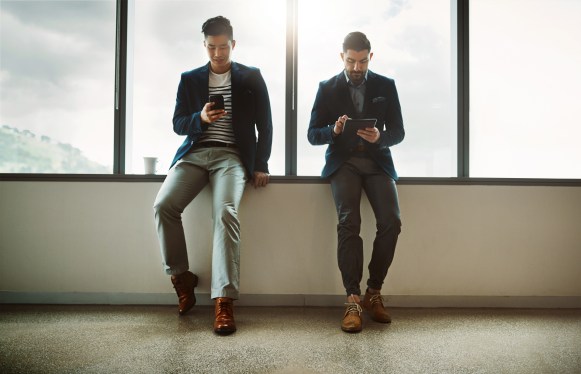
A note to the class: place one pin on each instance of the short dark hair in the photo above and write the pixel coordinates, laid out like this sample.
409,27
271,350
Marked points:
218,26
356,41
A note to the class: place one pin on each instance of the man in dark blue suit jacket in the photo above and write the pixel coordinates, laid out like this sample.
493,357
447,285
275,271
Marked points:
361,162
220,149
252,105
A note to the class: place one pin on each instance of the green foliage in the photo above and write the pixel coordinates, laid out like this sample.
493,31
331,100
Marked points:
21,151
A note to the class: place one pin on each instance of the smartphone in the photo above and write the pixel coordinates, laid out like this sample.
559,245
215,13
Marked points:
218,101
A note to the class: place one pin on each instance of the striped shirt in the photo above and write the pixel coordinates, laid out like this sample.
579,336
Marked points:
221,130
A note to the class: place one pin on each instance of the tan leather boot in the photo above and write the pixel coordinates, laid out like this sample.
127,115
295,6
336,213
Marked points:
184,285
224,321
373,303
352,319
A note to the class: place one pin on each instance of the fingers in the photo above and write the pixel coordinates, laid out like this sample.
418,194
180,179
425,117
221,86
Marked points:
370,134
208,115
340,124
260,179
215,115
258,182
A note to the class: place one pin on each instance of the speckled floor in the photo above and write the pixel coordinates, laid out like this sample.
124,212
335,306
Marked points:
153,339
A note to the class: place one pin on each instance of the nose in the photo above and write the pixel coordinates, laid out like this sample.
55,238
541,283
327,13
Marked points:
357,66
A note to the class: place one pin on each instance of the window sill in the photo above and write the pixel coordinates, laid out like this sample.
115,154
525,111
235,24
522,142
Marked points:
292,179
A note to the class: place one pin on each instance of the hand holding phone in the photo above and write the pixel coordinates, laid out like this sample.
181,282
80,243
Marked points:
218,101
214,109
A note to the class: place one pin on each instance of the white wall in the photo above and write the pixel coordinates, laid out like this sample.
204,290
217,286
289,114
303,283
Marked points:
99,237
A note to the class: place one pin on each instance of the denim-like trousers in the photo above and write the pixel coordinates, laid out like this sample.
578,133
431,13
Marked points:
221,168
357,174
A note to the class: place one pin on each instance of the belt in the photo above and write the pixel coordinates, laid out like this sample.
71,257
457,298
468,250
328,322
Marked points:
212,144
360,148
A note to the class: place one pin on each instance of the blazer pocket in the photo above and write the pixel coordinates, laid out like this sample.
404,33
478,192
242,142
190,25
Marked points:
378,99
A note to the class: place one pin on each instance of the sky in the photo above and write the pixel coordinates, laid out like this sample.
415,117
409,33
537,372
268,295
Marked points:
57,71
57,64
525,117
411,41
163,49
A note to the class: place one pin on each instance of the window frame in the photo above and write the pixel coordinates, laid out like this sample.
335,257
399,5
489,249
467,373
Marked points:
291,154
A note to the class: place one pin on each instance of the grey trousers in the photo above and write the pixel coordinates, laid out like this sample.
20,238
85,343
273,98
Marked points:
357,174
222,169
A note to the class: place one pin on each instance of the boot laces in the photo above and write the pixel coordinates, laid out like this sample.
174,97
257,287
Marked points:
224,307
353,308
376,299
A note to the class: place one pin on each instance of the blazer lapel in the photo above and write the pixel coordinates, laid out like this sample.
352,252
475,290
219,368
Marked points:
370,92
343,96
236,84
203,80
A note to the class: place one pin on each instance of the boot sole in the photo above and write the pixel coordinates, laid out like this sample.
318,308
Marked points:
225,331
351,330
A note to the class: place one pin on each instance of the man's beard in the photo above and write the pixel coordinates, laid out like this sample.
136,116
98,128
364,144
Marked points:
357,77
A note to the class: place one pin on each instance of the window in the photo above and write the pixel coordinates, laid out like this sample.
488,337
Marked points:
57,80
57,86
525,88
413,43
167,40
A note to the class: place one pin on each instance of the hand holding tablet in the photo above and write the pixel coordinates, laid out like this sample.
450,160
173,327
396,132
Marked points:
357,127
352,125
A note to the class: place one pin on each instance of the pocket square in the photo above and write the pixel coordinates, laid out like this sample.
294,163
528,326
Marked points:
378,99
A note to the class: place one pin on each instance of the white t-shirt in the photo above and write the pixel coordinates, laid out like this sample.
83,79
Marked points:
221,130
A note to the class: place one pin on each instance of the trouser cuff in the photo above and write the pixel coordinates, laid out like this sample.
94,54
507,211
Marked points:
225,293
176,271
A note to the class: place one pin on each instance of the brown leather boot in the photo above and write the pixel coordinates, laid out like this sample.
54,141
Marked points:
224,310
184,285
352,319
373,303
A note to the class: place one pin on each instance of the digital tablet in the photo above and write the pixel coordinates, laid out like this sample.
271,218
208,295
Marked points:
352,125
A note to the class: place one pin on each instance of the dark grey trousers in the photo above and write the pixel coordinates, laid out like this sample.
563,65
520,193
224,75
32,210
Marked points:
357,174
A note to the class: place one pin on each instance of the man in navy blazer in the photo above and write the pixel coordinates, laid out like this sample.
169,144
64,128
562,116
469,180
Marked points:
360,162
252,108
221,149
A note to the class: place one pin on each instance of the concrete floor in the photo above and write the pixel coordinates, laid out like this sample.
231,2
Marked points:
153,339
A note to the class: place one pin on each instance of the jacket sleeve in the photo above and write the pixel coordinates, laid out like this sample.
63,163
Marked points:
394,131
263,125
186,120
321,125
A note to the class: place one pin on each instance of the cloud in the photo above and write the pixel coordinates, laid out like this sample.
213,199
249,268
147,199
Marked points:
54,40
57,60
395,8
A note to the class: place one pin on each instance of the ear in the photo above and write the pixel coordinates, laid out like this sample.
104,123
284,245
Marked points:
342,56
233,43
370,56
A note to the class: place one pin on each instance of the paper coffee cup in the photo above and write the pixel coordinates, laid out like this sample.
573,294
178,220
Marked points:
150,165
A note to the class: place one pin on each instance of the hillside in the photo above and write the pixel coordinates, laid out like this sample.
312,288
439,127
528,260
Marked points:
22,151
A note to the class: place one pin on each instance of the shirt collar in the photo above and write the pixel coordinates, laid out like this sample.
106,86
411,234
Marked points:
349,81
